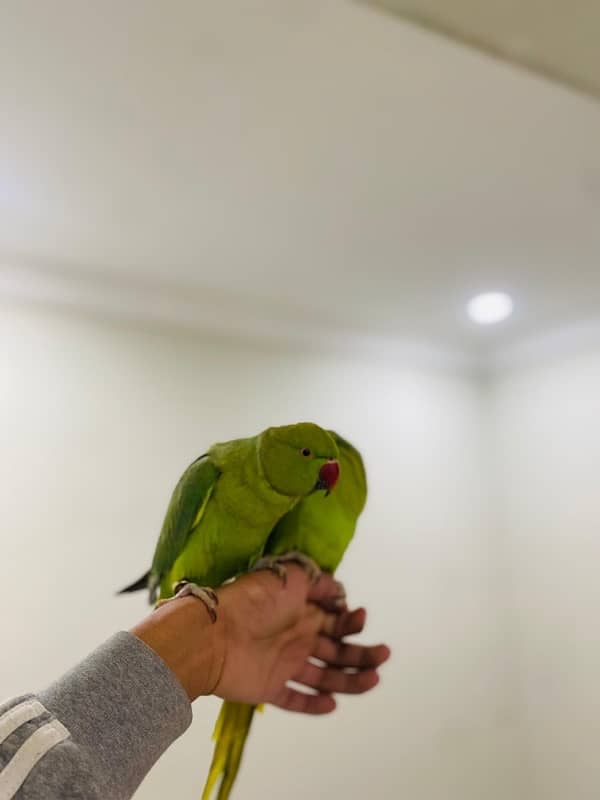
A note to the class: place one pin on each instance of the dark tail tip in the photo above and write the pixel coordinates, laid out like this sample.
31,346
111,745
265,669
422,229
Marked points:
141,583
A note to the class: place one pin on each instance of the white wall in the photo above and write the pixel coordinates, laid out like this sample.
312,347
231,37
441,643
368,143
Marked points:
97,421
547,424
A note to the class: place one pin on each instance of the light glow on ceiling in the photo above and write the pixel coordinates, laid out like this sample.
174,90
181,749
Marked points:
490,308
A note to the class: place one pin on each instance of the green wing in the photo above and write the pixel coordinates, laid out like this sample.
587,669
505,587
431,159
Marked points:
185,510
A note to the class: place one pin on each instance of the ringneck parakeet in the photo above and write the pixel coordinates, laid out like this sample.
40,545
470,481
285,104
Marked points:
228,501
320,527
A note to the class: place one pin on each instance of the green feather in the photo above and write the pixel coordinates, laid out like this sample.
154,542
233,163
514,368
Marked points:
188,503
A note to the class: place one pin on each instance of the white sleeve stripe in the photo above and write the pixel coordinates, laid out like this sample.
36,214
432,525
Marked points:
17,715
24,760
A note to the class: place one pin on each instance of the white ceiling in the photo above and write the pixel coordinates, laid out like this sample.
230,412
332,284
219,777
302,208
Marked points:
559,40
356,171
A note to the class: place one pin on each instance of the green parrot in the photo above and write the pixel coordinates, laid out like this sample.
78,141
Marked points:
320,527
227,503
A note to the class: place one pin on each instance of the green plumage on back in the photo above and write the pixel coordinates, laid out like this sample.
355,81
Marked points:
320,526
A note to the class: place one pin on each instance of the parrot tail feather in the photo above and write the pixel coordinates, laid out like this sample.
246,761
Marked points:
141,583
231,732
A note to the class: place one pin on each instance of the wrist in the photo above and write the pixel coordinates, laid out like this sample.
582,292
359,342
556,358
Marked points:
193,648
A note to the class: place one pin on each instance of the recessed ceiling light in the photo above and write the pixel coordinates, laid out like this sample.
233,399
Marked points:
490,308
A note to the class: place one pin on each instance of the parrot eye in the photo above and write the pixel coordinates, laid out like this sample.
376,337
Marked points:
306,452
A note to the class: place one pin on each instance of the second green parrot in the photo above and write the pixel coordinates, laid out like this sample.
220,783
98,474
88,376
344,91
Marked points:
320,526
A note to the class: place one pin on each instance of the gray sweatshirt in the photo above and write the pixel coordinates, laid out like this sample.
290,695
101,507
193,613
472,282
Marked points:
97,731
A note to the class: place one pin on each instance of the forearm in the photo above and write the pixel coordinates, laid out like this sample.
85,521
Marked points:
184,637
97,731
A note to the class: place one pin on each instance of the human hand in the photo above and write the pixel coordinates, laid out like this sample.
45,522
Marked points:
266,632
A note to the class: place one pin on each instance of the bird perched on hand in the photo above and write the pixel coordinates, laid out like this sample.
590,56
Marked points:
255,503
228,501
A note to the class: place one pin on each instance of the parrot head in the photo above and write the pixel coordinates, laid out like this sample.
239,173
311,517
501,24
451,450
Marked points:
299,459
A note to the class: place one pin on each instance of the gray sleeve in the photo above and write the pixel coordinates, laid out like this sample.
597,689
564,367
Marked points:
97,731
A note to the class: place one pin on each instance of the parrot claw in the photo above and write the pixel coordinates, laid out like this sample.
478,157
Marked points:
277,564
272,564
203,593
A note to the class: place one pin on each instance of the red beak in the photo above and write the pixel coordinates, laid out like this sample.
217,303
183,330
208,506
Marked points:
329,474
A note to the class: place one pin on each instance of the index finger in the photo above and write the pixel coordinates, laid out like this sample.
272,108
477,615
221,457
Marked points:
328,593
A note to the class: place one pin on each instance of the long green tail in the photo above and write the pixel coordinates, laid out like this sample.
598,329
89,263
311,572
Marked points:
231,732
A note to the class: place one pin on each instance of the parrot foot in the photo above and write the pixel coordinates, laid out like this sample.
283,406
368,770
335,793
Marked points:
203,593
277,564
271,564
